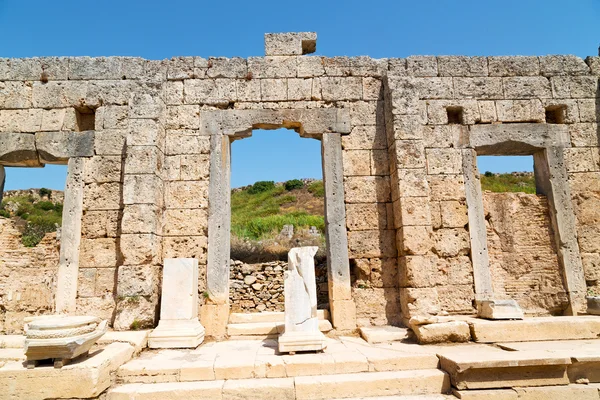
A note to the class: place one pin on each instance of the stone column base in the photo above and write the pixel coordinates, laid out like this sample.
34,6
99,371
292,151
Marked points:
176,334
343,314
301,341
215,318
499,309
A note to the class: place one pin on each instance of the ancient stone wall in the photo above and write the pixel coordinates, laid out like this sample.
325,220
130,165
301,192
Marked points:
523,260
27,277
409,129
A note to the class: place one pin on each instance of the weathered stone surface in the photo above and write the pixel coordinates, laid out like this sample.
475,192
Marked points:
18,149
58,147
288,44
442,332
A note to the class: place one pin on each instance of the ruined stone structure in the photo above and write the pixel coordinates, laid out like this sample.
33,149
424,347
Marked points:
147,145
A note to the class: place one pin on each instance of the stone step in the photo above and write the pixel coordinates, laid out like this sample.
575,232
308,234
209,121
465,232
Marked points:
246,359
267,316
504,369
343,386
535,329
267,328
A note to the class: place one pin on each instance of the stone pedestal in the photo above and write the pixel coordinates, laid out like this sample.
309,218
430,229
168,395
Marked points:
499,309
301,321
178,326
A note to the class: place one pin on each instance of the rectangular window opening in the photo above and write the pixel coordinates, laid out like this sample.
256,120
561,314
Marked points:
86,119
455,115
555,114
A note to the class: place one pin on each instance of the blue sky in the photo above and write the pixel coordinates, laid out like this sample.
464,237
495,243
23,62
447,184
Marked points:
387,28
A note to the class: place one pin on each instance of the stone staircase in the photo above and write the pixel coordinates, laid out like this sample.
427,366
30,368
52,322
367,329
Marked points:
266,325
253,369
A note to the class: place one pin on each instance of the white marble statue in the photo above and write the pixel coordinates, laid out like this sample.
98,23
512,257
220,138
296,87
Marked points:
301,321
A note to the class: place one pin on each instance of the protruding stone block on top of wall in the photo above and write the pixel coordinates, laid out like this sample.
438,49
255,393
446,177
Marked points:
290,43
178,326
301,321
499,309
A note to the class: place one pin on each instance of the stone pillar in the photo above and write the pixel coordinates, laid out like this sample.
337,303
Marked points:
552,180
487,305
178,326
70,238
301,321
342,307
215,313
2,180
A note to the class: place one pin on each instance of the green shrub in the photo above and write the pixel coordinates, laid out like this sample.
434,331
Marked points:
293,184
488,174
45,192
4,213
261,186
504,183
45,205
317,189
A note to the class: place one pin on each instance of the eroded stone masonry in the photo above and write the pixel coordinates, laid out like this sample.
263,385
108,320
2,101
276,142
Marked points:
410,232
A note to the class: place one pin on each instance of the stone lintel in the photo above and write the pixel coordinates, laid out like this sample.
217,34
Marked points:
308,123
58,147
290,43
18,150
517,139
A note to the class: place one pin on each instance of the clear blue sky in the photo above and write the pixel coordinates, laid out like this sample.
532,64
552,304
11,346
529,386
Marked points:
388,28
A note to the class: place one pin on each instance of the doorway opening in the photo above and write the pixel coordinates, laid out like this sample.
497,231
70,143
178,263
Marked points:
30,220
277,203
522,251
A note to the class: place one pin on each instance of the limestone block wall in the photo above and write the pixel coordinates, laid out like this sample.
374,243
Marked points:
409,129
27,277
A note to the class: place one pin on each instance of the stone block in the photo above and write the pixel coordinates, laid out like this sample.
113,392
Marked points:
462,66
249,90
186,246
457,299
16,95
417,271
451,242
187,194
110,142
454,214
29,121
377,306
310,67
214,318
410,183
141,218
366,216
137,280
59,94
412,211
443,332
341,88
273,89
299,89
520,111
419,301
146,132
372,89
222,67
407,154
566,107
140,249
58,147
367,189
371,244
527,87
594,64
380,164
414,240
422,66
443,161
581,159
53,120
18,149
102,196
514,66
487,111
174,93
499,309
209,91
479,88
142,189
292,43
563,65
272,67
584,134
437,112
183,222
143,160
445,136
357,162
99,253
183,117
587,111
187,144
97,224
